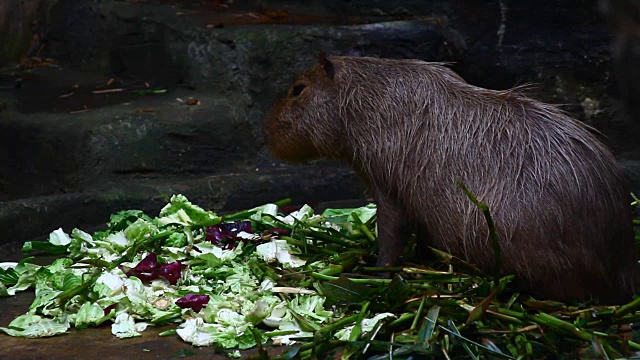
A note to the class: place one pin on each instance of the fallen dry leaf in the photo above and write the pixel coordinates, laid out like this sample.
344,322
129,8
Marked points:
145,110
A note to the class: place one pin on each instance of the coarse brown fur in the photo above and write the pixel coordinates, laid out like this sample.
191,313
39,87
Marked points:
412,128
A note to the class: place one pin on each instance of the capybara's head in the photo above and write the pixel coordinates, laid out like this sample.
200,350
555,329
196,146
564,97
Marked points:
305,124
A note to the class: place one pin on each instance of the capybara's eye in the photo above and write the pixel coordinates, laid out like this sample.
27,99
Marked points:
297,89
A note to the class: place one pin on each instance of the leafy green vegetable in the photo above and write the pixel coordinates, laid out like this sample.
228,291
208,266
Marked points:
89,314
340,216
122,219
125,327
181,211
176,240
8,275
34,326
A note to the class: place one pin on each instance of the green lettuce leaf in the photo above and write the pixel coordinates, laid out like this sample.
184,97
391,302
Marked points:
181,211
123,219
88,315
26,276
34,326
125,327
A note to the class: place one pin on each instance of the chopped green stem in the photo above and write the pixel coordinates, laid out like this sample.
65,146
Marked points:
280,333
339,324
239,215
401,320
282,202
356,332
280,222
414,324
95,262
365,230
493,234
548,320
302,245
379,269
327,237
64,296
628,308
512,313
618,321
508,318
355,280
332,270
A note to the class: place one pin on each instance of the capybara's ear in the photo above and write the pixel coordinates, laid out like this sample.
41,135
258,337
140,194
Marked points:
326,64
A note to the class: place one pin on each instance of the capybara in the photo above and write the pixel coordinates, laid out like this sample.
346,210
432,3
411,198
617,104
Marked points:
412,129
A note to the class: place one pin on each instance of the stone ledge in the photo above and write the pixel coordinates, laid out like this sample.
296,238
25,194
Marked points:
35,217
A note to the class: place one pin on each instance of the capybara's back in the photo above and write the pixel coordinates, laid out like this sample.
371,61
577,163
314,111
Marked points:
412,129
556,195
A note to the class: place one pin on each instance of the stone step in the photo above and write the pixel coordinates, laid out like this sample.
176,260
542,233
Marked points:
234,73
35,217
254,55
48,153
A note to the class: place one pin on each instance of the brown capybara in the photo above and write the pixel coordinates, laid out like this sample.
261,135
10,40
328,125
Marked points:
411,129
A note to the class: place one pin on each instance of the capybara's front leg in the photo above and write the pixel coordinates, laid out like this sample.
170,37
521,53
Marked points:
393,232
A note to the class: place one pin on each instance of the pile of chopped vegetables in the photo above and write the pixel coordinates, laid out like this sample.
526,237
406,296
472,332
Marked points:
261,277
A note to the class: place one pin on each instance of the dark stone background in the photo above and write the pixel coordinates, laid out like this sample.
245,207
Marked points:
59,167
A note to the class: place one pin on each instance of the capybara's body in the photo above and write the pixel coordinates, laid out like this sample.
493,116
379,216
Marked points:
411,129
